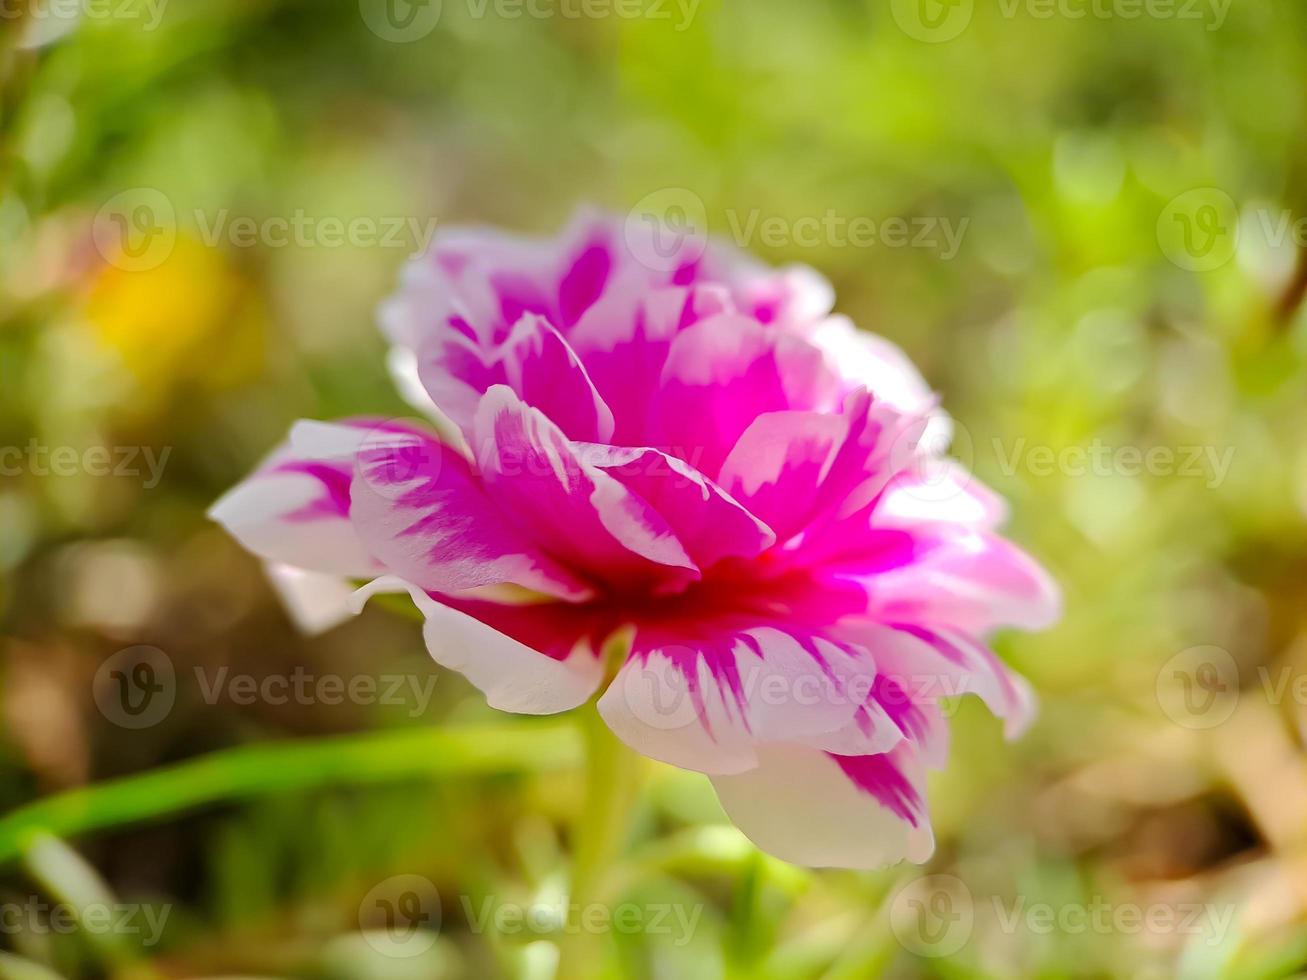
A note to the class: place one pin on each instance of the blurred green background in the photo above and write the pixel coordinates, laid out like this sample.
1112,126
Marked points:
1125,180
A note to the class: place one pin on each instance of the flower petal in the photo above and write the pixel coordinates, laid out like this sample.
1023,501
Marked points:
673,706
972,581
720,374
819,810
570,507
294,509
707,520
624,340
315,601
957,663
513,676
534,360
425,513
704,703
866,360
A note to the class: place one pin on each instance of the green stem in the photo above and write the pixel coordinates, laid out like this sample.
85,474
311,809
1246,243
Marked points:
612,784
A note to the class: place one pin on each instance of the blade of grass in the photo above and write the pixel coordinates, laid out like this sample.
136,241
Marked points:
282,767
67,877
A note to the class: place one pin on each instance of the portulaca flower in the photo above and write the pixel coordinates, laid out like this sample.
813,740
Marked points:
666,450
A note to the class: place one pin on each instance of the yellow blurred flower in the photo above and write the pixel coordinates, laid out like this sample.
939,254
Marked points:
191,319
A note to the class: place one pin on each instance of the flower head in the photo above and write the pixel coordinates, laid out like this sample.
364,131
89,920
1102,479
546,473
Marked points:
648,445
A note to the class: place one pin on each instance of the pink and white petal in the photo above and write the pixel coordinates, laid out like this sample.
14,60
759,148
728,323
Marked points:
407,317
672,706
790,298
623,340
929,663
865,360
294,509
544,370
534,360
402,364
438,293
800,471
819,810
795,297
902,702
570,507
658,254
720,374
513,676
708,521
955,663
940,491
872,730
552,627
490,279
779,464
487,279
589,256
456,370
426,514
913,708
496,277
800,686
701,704
973,582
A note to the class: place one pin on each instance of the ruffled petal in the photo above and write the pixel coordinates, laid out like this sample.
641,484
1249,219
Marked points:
720,374
427,515
707,520
974,582
671,705
865,360
534,360
903,701
953,663
704,703
801,470
570,507
624,340
940,491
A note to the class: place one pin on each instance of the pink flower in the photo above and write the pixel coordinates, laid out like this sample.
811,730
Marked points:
674,452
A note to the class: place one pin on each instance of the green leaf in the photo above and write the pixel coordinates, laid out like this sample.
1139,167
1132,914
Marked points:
297,766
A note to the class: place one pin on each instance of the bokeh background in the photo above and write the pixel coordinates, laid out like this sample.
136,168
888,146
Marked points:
1118,331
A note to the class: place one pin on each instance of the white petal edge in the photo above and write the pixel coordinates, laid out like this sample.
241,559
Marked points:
315,601
800,807
512,676
254,513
